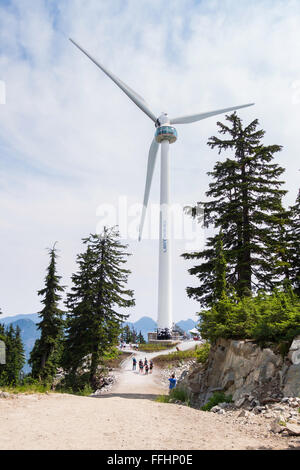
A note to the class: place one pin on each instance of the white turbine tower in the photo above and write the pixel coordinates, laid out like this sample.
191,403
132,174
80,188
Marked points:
165,134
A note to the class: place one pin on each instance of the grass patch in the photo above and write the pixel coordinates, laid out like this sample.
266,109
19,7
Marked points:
215,399
151,347
83,392
200,353
27,388
114,362
174,357
163,399
176,394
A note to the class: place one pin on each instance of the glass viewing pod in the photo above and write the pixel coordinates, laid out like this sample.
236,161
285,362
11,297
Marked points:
166,133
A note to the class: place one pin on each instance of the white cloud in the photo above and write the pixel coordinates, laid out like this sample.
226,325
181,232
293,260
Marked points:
70,140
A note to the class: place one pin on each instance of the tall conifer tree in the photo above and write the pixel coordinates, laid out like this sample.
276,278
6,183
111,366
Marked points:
45,356
99,289
246,203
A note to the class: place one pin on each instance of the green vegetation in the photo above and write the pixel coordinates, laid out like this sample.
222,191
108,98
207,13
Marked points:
175,357
46,353
256,237
15,359
176,394
273,318
94,324
151,347
200,353
114,358
27,386
249,272
215,399
85,344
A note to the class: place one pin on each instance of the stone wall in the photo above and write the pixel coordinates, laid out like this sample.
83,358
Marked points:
241,368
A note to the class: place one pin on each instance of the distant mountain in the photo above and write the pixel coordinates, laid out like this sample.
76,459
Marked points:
27,316
186,325
144,324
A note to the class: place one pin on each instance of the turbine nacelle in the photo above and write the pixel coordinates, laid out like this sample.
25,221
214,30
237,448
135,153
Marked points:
166,133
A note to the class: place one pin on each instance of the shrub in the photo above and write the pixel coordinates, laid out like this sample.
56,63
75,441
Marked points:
265,318
176,393
215,399
202,352
176,356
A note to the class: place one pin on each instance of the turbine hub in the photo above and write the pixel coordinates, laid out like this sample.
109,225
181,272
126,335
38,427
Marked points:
166,133
163,119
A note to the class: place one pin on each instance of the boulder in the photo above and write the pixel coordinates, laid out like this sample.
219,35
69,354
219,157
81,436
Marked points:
293,429
292,381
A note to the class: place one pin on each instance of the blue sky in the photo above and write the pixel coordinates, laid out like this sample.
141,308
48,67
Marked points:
71,141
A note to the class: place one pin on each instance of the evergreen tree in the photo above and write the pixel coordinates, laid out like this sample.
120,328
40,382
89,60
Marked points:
94,324
294,245
134,335
45,356
246,204
15,357
127,334
140,338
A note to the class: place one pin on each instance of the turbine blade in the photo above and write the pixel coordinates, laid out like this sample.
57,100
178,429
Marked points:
150,168
198,117
137,99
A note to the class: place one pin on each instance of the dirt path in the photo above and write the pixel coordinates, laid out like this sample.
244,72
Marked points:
126,418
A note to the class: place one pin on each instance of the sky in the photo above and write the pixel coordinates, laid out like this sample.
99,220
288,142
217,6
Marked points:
74,148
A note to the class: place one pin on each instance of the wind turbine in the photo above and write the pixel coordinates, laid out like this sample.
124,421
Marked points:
165,134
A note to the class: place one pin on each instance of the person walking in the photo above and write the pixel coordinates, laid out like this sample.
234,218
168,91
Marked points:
133,363
151,366
172,383
141,365
146,369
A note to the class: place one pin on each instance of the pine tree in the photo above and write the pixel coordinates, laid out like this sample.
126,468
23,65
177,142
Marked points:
140,338
294,245
246,204
45,356
127,334
94,324
15,357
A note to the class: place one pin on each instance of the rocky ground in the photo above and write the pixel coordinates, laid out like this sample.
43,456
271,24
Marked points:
274,418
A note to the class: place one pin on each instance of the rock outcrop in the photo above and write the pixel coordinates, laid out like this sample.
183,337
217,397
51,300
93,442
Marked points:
243,369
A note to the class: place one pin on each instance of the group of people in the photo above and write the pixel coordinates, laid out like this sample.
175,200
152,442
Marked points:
143,365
